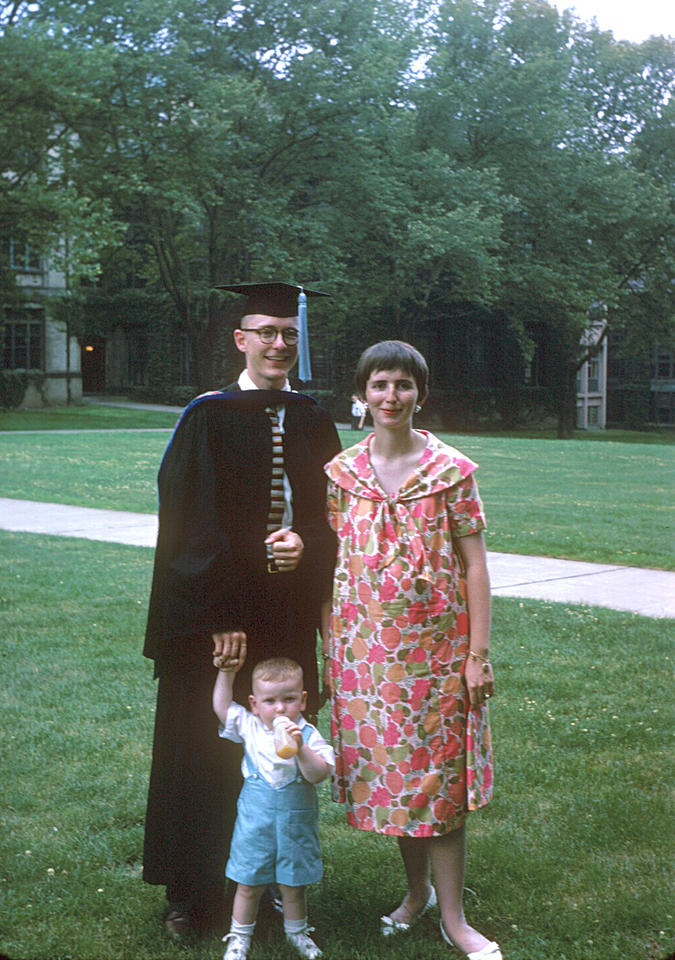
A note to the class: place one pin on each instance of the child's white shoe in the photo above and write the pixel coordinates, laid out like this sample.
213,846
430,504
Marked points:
304,944
237,946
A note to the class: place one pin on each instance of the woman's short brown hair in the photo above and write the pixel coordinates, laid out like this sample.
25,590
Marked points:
393,355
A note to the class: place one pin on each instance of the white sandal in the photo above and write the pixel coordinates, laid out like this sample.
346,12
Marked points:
490,951
389,925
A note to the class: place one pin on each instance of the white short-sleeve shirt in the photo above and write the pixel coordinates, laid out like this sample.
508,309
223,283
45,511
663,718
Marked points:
245,727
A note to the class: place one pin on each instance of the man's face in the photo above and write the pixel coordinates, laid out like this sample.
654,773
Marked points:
267,364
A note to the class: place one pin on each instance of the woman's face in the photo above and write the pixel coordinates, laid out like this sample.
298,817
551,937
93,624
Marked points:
391,396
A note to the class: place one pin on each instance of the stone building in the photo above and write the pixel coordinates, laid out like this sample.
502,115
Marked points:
34,342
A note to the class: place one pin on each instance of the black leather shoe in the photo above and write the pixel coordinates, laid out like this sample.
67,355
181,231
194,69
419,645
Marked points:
179,925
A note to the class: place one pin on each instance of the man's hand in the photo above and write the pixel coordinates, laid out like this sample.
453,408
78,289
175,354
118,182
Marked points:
287,548
229,650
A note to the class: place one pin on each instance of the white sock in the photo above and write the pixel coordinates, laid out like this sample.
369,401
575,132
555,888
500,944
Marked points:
295,926
242,929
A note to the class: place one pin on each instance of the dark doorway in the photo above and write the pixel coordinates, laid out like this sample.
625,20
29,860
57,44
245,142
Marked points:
93,365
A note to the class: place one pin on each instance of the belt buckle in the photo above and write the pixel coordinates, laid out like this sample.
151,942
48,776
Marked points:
271,562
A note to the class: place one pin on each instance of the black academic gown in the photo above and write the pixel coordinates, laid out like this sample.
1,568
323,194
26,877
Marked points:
211,575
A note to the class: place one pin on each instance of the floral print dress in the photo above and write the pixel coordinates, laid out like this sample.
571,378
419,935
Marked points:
411,755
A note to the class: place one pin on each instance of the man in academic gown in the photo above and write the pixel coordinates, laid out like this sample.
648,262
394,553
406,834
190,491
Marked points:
214,578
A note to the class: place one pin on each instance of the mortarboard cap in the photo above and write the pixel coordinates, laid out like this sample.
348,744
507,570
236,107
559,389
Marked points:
276,299
271,299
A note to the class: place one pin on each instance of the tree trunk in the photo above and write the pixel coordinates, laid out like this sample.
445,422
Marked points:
208,342
567,406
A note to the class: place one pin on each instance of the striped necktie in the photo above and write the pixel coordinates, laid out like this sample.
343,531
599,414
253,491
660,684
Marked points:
276,512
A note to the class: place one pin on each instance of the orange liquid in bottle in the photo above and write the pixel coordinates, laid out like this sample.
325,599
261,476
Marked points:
284,744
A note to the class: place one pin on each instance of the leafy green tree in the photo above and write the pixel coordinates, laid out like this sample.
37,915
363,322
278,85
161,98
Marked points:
550,106
226,130
39,206
476,177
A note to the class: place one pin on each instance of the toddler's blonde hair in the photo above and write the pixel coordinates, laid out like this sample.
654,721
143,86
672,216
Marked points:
277,668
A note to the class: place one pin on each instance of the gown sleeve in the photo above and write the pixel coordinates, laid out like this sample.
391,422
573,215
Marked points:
192,545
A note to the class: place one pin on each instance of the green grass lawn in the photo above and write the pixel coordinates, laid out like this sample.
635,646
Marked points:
86,416
102,416
571,861
608,502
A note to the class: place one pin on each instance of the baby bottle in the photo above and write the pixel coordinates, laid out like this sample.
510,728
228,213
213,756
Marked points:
285,745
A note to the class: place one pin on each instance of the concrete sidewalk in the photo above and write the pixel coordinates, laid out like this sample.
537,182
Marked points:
650,593
111,526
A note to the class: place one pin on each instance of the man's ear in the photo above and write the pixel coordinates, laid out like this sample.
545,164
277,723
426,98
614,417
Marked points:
240,340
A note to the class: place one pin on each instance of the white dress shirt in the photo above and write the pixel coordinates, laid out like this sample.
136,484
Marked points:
245,383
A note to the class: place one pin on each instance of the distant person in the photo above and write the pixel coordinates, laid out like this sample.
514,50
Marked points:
409,640
243,548
358,412
276,836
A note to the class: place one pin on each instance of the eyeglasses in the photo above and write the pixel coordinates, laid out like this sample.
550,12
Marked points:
269,334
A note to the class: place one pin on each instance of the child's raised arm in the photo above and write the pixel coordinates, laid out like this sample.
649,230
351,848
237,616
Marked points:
227,667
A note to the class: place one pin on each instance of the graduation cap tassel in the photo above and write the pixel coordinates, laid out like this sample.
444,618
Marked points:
304,366
276,299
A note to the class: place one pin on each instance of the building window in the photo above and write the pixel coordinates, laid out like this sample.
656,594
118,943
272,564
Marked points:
23,348
593,416
664,364
664,407
616,362
23,256
593,375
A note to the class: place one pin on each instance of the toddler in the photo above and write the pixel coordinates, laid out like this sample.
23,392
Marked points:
276,835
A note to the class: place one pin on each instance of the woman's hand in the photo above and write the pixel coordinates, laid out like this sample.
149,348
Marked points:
480,680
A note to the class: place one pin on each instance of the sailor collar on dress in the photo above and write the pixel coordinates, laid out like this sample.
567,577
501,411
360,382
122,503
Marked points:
440,466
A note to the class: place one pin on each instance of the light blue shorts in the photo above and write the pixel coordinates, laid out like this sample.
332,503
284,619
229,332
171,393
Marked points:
276,836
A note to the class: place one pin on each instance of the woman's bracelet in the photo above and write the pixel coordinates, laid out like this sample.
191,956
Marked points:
484,660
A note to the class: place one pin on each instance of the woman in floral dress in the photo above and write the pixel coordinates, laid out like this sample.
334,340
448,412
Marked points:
408,658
